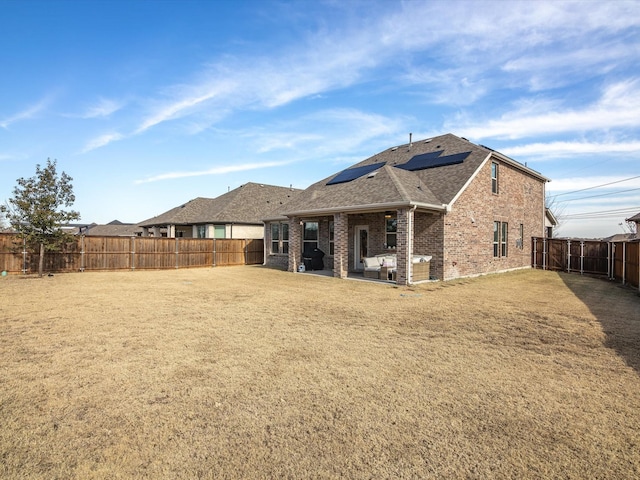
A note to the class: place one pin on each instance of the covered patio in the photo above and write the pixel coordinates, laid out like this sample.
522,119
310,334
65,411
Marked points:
397,246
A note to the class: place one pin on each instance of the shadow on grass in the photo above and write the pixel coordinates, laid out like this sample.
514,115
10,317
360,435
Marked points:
617,308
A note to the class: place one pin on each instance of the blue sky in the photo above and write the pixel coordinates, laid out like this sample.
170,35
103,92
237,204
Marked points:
148,104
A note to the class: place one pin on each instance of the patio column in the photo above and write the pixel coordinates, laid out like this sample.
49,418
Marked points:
295,244
341,245
404,248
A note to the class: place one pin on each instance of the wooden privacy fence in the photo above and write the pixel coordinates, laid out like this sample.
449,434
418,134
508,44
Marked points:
616,260
131,253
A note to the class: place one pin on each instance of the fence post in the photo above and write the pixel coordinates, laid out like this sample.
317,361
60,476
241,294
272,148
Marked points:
568,256
581,257
624,262
82,265
214,252
544,253
133,253
24,255
177,248
535,251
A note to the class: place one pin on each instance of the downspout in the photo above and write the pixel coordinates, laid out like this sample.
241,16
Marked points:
409,259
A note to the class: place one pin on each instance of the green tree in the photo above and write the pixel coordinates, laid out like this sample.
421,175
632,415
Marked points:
36,213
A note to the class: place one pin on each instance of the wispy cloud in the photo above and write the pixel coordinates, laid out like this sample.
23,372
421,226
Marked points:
462,44
102,141
554,150
212,171
618,107
28,113
103,108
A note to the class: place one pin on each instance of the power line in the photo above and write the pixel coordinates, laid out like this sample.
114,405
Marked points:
601,214
601,195
596,186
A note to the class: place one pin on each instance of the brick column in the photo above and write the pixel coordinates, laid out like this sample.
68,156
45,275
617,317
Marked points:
404,247
295,244
340,245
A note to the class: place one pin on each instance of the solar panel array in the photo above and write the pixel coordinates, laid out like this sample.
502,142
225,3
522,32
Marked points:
352,173
433,160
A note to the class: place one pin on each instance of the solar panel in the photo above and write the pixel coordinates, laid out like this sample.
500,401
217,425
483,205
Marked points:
433,160
352,173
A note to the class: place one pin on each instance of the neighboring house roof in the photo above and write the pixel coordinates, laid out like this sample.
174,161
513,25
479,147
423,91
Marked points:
635,218
114,229
433,188
550,218
620,237
247,204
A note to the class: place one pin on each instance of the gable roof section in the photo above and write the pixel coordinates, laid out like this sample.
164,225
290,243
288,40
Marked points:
247,204
434,185
635,218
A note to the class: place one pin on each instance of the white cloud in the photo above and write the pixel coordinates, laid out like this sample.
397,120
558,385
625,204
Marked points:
212,171
26,114
554,150
103,108
101,141
618,107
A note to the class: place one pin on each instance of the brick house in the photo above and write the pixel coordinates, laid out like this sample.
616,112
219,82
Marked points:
235,214
468,207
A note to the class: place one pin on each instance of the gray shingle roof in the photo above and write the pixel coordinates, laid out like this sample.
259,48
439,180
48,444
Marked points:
389,185
247,204
635,218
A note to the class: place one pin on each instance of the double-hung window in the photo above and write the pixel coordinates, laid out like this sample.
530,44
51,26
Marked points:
500,239
279,238
310,236
494,177
275,238
201,231
391,231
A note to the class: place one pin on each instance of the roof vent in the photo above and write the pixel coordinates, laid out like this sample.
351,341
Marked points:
394,149
428,140
372,174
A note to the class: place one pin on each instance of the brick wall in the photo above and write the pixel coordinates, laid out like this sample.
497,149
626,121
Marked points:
468,228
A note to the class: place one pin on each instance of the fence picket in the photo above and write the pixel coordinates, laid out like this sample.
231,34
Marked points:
92,253
615,260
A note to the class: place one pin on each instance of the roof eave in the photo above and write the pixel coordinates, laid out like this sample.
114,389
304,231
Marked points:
375,207
519,166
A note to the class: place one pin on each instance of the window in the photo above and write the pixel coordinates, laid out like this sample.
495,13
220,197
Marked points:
310,236
503,239
284,228
500,238
219,231
391,229
494,177
275,238
201,231
279,238
521,240
331,237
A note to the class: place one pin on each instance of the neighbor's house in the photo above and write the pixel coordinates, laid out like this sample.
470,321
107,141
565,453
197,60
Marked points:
635,219
236,214
470,208
114,228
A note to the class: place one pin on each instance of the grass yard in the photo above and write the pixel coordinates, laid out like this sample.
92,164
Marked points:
247,372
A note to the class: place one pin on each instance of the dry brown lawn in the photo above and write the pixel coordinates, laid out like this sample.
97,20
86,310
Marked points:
247,372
